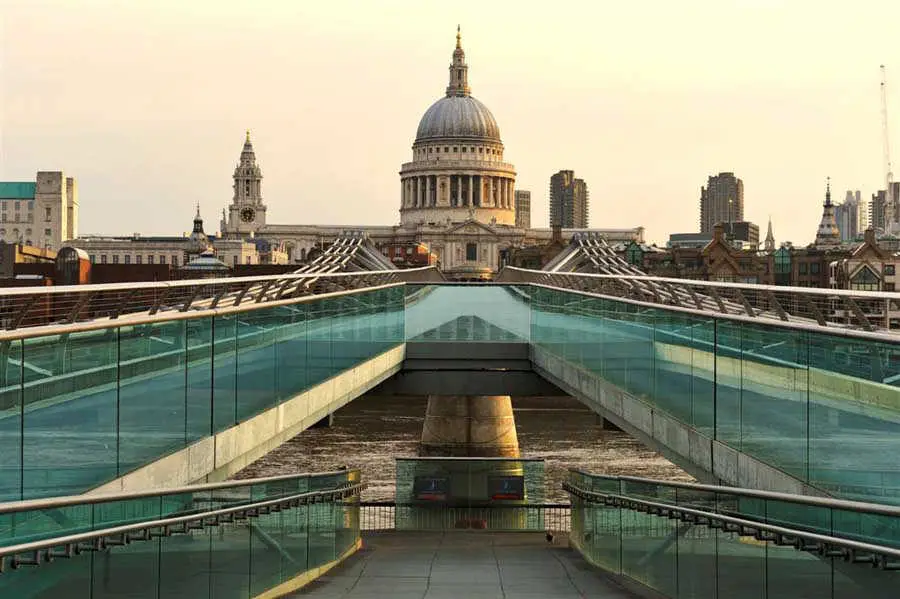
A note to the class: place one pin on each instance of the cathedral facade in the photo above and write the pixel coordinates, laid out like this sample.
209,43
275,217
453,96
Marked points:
457,194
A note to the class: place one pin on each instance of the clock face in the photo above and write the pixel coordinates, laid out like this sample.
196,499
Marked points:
247,215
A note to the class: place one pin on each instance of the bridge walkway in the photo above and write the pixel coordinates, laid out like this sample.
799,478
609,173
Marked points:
471,564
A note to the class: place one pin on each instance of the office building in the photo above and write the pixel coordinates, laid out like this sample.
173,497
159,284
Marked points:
721,201
523,209
568,201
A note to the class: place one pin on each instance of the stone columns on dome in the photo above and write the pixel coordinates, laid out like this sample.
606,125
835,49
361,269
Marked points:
428,190
418,192
459,181
471,183
491,199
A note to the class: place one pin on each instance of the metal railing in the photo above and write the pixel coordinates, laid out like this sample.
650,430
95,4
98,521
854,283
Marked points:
383,515
855,552
12,507
45,551
119,303
861,507
831,308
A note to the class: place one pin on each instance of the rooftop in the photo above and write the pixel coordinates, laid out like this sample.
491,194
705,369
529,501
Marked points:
10,190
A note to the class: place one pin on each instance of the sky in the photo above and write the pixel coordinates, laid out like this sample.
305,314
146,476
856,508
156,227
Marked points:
146,103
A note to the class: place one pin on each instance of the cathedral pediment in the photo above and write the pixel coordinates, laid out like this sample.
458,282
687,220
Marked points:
471,227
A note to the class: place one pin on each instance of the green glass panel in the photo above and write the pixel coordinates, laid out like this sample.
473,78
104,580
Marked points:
185,565
152,415
229,560
11,372
256,375
649,551
224,372
266,553
129,571
740,566
728,383
291,351
70,421
199,384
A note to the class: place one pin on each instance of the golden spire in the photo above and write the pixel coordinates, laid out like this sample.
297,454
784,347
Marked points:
248,136
458,38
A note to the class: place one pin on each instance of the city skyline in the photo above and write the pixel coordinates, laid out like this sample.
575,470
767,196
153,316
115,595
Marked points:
143,123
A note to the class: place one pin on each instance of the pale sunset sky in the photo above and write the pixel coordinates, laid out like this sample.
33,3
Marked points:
146,103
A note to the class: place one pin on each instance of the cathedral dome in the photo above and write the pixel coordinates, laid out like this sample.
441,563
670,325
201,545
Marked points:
459,117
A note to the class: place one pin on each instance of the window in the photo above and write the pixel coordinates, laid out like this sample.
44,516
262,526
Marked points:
138,259
814,268
174,260
93,259
162,259
48,214
31,205
889,269
4,217
455,149
150,259
102,258
464,149
802,268
864,280
234,262
127,258
47,232
446,148
18,205
115,258
888,286
471,251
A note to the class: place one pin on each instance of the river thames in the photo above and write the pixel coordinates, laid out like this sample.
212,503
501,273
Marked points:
371,431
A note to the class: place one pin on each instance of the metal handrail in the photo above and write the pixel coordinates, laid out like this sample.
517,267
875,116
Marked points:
148,285
10,507
145,318
882,335
717,284
829,502
825,545
166,526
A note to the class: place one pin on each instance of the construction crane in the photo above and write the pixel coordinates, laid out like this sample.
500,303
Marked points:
889,215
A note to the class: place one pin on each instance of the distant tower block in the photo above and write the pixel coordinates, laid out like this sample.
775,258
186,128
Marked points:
469,426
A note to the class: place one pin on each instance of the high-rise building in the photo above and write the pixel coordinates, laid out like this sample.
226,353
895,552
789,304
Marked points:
877,208
846,216
568,201
523,209
721,201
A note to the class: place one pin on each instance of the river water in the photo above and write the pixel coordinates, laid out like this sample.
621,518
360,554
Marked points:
371,431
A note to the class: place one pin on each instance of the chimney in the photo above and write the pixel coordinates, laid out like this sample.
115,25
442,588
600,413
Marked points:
869,236
719,232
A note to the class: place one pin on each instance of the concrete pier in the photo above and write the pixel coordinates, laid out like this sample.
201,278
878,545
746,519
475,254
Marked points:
469,426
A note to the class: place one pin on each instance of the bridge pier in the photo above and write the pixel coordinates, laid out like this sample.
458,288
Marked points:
469,426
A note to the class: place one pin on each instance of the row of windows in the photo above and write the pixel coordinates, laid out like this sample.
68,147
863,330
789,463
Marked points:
138,259
16,234
457,149
3,205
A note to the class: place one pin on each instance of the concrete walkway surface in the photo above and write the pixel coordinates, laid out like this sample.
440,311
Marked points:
463,565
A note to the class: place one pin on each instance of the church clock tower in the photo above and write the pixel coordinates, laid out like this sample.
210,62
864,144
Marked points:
247,213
